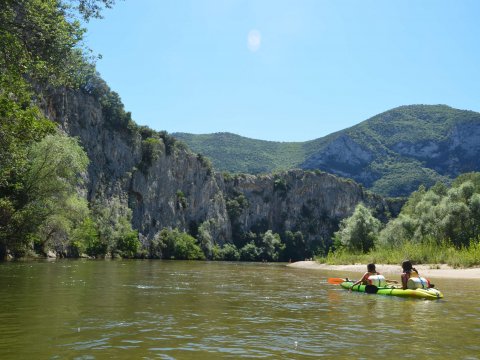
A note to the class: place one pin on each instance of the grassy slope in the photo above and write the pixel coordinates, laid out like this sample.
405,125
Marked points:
237,154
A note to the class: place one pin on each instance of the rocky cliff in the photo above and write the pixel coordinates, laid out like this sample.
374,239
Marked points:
166,185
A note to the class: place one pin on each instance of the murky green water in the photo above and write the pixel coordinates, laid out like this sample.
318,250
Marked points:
200,310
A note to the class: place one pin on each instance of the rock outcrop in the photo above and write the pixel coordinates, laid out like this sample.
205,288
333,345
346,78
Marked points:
176,188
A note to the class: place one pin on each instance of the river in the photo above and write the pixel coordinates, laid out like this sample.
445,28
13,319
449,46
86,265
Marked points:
85,309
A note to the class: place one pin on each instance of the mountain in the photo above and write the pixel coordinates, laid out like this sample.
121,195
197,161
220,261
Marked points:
391,153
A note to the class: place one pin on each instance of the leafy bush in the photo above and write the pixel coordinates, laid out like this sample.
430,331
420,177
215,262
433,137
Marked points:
358,232
250,252
179,245
151,151
228,252
128,245
294,246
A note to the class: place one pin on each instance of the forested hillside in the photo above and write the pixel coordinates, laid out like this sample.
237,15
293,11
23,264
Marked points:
391,153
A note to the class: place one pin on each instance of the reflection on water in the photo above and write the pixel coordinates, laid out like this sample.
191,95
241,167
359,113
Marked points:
202,310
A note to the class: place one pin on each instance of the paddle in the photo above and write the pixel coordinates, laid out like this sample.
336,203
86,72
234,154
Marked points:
336,281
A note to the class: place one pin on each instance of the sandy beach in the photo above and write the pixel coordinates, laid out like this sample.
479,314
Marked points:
434,271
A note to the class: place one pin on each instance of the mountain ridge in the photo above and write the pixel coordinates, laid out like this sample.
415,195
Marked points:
391,153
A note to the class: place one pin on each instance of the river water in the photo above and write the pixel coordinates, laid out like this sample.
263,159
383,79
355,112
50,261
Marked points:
211,310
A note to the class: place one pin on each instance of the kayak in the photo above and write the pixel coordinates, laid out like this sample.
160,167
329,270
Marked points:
392,290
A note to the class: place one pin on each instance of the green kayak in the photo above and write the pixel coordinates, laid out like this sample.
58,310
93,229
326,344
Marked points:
428,294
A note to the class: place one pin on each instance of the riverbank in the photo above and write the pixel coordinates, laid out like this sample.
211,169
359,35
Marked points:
434,271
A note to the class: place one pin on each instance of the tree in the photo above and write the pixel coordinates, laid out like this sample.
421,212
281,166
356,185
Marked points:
250,252
40,47
45,202
358,232
271,246
115,234
228,252
179,245
294,246
439,215
204,237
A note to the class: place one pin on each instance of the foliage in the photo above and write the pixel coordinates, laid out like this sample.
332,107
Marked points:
45,202
294,246
179,245
128,244
181,199
445,215
85,236
237,154
419,253
113,110
439,225
264,247
358,232
151,151
271,246
250,252
280,186
228,252
205,238
40,47
114,228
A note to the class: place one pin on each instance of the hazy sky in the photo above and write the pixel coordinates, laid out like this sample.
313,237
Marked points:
286,70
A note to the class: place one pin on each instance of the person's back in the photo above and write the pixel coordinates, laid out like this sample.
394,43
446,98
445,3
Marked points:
408,272
371,270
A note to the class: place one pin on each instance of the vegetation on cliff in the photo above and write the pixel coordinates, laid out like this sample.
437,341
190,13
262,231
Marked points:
439,225
40,169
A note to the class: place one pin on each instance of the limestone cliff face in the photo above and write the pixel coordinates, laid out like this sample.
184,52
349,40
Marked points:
311,202
178,189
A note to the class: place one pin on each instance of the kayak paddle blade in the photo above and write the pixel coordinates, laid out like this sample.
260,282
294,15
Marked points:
335,281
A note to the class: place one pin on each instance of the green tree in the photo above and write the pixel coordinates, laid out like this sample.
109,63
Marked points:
179,245
228,252
250,252
115,234
85,236
358,232
46,203
271,246
204,237
40,47
294,246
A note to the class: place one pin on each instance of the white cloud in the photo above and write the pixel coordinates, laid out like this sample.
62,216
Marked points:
254,40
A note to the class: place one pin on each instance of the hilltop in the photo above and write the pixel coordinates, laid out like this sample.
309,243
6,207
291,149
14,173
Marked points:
391,153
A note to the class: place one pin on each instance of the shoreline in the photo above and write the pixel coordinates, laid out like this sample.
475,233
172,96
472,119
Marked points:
428,270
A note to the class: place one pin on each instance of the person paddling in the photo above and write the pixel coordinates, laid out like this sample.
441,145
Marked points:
364,280
408,272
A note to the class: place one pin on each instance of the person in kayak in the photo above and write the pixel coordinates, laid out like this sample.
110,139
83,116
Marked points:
408,272
364,280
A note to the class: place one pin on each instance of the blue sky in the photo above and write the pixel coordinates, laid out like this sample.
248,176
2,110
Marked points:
285,70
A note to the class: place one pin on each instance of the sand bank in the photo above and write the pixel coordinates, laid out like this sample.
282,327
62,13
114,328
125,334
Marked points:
434,271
